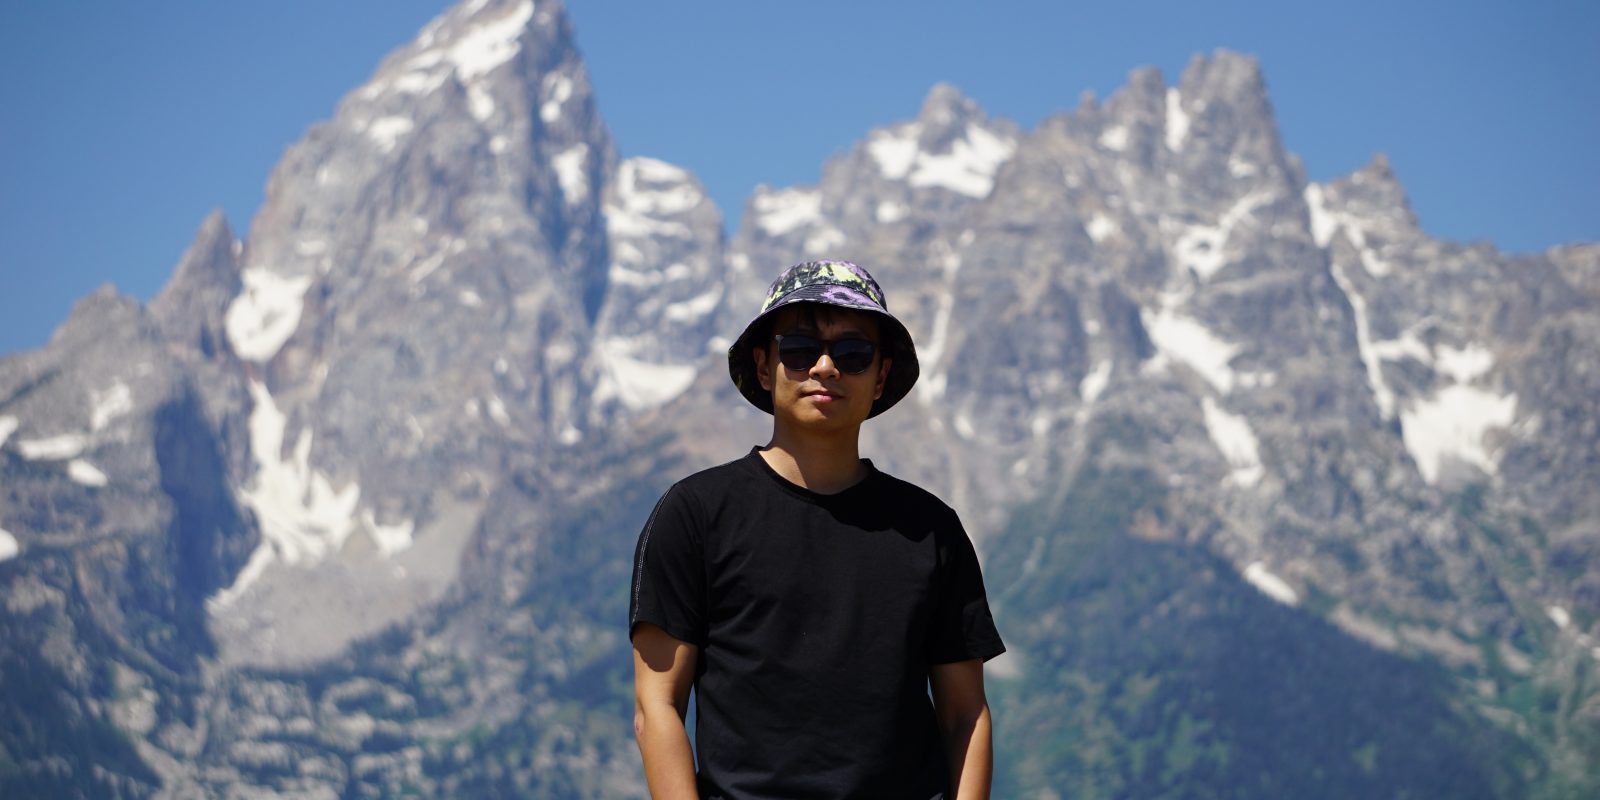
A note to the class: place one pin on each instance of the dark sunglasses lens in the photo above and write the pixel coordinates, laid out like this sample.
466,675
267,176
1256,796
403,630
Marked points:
852,355
799,352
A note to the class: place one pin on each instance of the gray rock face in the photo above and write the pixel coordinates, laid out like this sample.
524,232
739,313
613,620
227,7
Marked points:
348,509
116,523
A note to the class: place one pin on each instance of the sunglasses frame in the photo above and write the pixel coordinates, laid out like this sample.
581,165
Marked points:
826,346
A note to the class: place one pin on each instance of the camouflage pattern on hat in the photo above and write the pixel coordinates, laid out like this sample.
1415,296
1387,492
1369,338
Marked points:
842,284
835,283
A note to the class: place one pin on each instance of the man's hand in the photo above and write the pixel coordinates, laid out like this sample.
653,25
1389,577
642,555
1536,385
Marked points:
663,672
963,714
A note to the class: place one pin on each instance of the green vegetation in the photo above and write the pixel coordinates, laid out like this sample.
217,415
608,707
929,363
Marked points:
51,744
1150,669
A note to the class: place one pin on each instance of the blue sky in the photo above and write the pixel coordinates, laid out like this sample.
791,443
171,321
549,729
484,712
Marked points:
123,124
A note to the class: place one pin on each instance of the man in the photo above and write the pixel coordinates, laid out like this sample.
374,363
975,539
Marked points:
812,602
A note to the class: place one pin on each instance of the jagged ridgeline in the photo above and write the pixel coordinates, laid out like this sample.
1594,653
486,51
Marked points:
1278,496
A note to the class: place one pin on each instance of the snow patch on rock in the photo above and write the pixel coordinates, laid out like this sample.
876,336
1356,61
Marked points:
695,308
481,49
1452,424
637,383
823,240
571,173
302,515
1101,228
1325,222
647,189
620,275
1184,339
557,91
485,47
265,314
106,406
479,102
385,132
82,472
9,547
390,539
1559,616
968,168
963,426
303,518
8,426
779,212
932,353
1232,435
1177,121
1094,383
497,410
656,187
895,151
1199,247
1370,355
1407,346
1270,585
1114,138
54,448
1463,364
419,81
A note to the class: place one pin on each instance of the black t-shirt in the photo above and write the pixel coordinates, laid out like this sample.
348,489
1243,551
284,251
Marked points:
817,618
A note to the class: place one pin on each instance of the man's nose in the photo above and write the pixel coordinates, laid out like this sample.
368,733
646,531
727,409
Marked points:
824,366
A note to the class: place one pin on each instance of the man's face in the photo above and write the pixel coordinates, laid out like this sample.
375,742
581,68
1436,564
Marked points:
822,396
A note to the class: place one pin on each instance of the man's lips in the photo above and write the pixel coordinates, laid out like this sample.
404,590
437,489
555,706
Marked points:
822,394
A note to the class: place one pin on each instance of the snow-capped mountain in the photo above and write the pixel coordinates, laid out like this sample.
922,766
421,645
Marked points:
347,509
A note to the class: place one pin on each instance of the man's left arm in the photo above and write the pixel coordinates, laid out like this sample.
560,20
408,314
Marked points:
963,714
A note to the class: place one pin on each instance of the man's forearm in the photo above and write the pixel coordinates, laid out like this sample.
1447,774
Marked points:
668,761
969,747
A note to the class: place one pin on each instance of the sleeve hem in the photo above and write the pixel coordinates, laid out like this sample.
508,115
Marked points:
982,650
679,632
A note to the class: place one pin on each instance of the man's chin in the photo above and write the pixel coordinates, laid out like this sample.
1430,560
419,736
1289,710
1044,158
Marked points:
823,416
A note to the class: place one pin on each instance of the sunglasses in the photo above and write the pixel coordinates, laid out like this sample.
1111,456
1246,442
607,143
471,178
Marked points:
800,352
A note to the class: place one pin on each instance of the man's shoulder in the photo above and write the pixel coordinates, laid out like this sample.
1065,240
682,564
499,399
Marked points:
908,495
715,480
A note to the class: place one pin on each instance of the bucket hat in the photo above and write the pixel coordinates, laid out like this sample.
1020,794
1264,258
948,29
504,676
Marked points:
834,283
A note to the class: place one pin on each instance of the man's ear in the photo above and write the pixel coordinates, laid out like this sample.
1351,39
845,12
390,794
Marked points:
883,376
763,374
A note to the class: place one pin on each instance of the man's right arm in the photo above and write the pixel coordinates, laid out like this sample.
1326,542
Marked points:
663,672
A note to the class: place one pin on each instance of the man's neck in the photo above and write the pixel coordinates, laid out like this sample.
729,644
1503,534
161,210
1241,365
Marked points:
824,465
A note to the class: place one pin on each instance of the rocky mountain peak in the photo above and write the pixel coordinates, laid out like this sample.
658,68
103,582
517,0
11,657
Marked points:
432,264
1226,76
1144,93
106,311
1219,113
1369,204
944,117
1376,179
190,307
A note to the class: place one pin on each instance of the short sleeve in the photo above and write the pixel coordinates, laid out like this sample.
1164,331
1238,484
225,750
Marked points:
669,571
963,625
